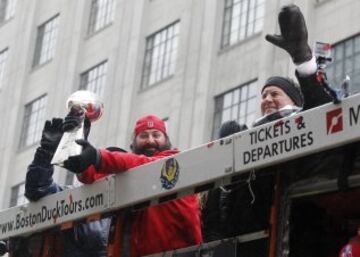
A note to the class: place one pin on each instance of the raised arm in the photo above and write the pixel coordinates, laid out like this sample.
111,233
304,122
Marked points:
39,182
294,40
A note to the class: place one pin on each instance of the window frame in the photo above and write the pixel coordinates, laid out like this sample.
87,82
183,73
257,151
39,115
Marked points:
251,19
100,79
352,58
43,55
7,10
15,196
105,20
167,55
27,122
251,98
3,61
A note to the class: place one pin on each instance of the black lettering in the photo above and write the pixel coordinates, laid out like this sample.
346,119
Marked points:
303,140
276,130
22,222
58,210
92,200
288,145
259,152
62,208
38,218
261,138
253,138
80,205
43,213
66,209
310,138
71,208
75,206
287,127
268,134
253,155
17,222
27,220
33,220
7,226
281,144
354,116
295,143
274,149
99,200
10,225
267,152
282,128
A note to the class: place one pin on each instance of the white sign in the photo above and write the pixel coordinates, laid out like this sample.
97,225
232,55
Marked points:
55,209
305,133
176,173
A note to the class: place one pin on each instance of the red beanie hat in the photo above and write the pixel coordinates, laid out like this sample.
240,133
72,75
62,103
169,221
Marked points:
149,122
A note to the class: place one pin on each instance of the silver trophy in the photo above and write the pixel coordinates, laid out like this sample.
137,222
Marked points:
83,103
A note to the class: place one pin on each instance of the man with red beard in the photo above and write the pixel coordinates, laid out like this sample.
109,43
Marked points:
168,226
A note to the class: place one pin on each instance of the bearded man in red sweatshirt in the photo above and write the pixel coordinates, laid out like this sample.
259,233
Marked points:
168,226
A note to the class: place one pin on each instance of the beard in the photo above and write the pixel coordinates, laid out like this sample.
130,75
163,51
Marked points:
150,149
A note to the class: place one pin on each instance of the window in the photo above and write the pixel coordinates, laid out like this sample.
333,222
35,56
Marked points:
160,55
346,61
101,14
7,9
46,41
238,104
94,79
3,57
18,195
33,123
242,18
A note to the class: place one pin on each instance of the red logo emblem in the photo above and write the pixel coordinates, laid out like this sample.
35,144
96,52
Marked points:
334,121
150,124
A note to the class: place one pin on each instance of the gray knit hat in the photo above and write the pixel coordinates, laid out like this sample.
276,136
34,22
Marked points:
288,86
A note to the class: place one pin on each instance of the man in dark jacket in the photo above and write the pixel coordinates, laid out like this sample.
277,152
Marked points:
85,239
244,207
329,164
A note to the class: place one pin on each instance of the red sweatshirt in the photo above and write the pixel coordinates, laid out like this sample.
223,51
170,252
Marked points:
168,226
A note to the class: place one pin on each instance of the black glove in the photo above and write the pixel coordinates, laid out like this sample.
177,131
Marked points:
73,120
42,156
294,35
89,156
51,134
231,127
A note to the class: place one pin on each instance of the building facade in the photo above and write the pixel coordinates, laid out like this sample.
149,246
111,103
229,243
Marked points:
194,63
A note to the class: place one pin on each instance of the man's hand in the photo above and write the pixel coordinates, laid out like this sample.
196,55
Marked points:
89,156
74,120
294,35
51,134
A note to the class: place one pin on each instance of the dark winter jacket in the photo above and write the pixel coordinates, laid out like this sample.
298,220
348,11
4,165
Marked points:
325,164
83,240
231,211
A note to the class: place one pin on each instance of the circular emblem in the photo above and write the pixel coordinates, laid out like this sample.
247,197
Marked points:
169,173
